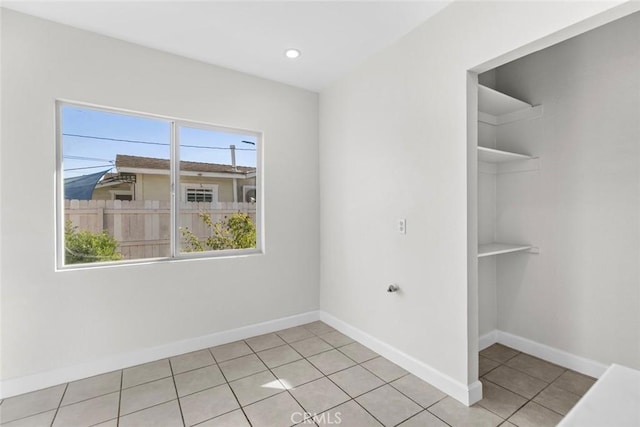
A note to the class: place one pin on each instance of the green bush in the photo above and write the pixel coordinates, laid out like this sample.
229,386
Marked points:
85,246
235,232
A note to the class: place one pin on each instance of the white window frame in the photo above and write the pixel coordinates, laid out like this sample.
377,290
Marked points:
175,125
200,186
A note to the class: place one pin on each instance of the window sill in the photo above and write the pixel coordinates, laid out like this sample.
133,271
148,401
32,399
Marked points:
189,256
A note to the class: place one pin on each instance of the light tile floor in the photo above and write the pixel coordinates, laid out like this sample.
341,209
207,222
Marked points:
279,379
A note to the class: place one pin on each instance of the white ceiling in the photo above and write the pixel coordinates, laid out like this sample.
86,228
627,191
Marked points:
334,36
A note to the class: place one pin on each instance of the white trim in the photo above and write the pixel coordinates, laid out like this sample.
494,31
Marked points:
474,393
187,122
554,355
59,190
468,395
488,340
174,182
545,352
150,171
16,386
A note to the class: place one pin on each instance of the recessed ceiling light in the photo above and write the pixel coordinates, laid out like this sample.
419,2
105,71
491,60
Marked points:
292,53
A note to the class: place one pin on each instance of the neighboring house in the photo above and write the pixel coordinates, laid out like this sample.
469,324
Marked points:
146,178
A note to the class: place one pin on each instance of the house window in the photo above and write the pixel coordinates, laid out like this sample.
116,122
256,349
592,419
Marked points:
199,195
184,183
203,193
121,195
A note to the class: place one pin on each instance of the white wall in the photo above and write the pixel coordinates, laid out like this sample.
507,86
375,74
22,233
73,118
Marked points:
394,145
582,293
53,320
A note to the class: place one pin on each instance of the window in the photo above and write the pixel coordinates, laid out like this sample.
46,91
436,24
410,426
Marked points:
206,193
136,186
199,195
121,195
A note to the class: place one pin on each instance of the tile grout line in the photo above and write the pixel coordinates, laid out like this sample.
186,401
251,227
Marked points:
120,397
92,397
509,390
143,383
175,387
308,361
428,412
330,380
529,400
434,404
333,347
231,388
59,404
344,391
410,398
384,382
538,403
287,390
32,415
142,409
41,412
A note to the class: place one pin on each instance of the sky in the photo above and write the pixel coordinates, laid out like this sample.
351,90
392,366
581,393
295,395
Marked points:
92,139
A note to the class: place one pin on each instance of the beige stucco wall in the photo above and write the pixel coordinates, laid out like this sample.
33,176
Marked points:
156,187
104,193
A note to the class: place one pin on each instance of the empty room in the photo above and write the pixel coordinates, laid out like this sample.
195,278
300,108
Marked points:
351,213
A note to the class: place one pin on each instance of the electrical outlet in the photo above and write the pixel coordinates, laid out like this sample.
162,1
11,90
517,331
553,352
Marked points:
402,226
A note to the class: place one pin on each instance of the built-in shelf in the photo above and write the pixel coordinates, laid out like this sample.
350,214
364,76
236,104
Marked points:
497,108
502,248
496,103
491,155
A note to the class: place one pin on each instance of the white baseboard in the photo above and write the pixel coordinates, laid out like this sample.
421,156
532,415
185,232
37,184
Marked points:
461,392
15,386
545,352
487,340
468,395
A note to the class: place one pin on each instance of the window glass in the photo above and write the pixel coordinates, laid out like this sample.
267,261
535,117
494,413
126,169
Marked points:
116,187
214,167
200,195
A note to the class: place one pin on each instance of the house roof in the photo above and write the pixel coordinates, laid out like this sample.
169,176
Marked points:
124,161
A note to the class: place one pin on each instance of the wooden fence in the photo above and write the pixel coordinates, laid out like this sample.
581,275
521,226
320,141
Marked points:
142,227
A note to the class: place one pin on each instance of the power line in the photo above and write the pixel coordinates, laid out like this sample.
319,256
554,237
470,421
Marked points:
89,167
87,158
133,141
